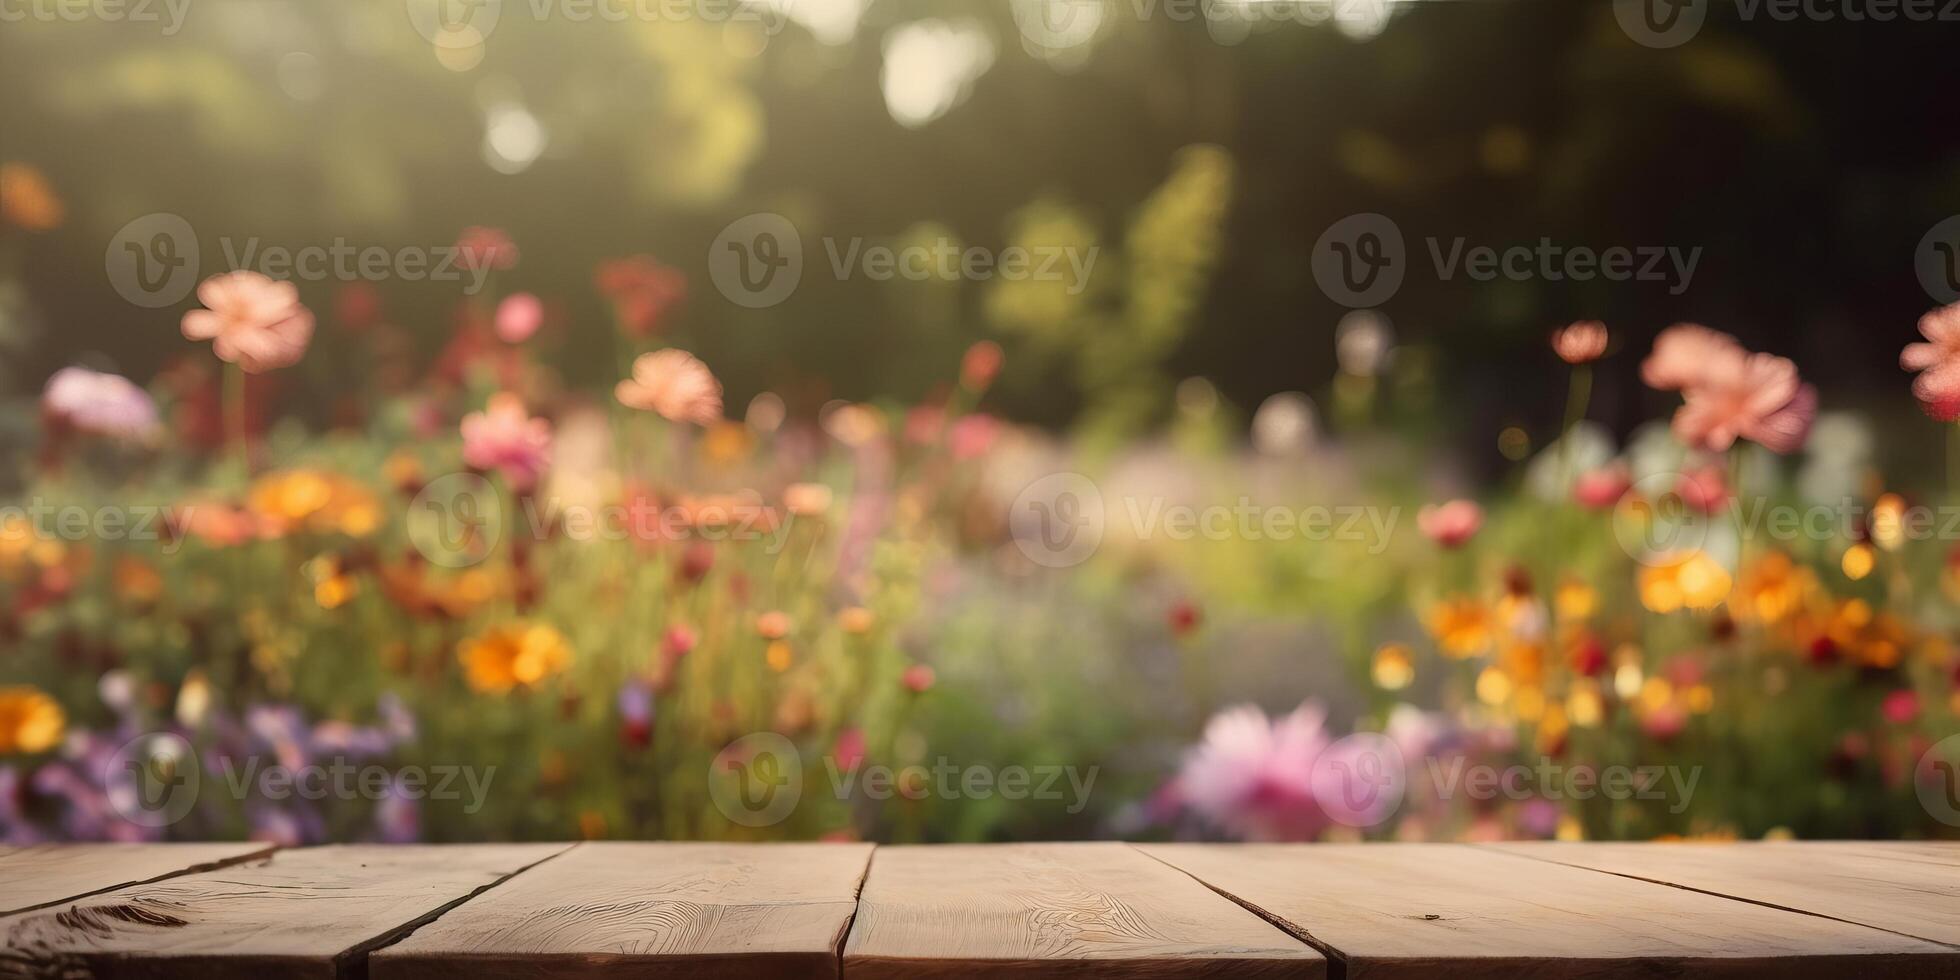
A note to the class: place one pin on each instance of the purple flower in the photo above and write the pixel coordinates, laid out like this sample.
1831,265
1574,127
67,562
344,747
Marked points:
96,403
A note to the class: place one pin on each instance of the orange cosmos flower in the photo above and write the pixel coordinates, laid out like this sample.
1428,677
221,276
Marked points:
30,721
27,199
674,383
1938,361
252,321
1580,343
511,654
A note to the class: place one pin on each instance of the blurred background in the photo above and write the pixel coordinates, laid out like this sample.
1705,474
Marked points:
1517,558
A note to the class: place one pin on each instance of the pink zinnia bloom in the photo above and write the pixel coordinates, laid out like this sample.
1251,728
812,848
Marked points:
100,404
643,290
1705,488
1253,777
252,321
1450,524
1580,343
1755,396
674,383
973,435
480,247
1901,707
917,678
1601,489
518,317
1682,356
506,438
849,752
1938,361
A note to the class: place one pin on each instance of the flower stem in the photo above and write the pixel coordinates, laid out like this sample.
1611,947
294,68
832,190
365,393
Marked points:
234,411
1578,396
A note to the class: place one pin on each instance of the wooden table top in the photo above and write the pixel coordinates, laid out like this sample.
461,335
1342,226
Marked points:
617,910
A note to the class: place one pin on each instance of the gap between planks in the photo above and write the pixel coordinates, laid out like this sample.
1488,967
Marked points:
1337,964
353,964
1532,856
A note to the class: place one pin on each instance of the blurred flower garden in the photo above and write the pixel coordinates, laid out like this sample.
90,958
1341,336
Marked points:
844,572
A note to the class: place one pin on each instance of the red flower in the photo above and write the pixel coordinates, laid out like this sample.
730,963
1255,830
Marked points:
642,291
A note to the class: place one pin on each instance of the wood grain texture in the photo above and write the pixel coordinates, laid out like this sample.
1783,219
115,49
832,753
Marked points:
1055,910
648,910
44,874
1414,910
1909,888
298,914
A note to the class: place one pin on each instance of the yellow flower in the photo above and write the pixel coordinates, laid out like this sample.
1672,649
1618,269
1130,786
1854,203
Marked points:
136,581
1770,589
27,200
856,620
1461,626
1394,668
315,500
1690,581
1575,600
505,656
30,721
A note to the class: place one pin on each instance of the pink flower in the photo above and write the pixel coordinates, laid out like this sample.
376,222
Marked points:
1254,778
850,748
518,317
973,435
1683,353
1749,396
506,438
1580,343
1705,488
252,321
1938,361
642,290
100,404
917,678
1601,489
480,247
1901,707
674,383
1450,524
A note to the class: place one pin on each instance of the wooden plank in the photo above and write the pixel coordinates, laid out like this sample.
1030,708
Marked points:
298,914
1411,910
1909,888
1055,910
44,874
640,910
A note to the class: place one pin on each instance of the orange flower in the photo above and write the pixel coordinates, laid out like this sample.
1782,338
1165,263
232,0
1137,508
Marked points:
317,500
772,625
1691,581
254,322
30,721
1683,353
807,499
1580,343
1938,361
1461,625
505,656
1754,396
1770,589
674,383
27,200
